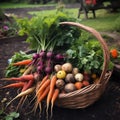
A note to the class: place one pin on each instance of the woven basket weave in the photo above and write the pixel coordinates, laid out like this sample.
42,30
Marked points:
88,95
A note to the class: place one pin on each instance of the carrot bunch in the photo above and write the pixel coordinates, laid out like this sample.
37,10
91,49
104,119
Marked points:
25,83
47,91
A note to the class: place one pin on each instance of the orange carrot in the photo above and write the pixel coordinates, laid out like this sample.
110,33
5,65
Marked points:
27,77
23,62
40,97
46,83
52,86
44,94
15,85
43,80
40,84
54,97
27,85
21,78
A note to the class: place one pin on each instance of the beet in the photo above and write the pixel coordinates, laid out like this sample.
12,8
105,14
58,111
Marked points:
42,54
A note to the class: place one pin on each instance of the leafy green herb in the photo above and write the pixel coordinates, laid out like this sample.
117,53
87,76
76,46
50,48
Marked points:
11,116
87,52
15,70
8,116
45,33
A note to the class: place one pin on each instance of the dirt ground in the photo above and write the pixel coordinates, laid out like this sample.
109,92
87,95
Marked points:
106,108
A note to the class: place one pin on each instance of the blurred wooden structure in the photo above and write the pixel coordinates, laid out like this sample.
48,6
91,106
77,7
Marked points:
92,5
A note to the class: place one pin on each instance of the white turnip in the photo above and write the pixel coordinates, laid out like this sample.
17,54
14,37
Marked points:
67,67
79,77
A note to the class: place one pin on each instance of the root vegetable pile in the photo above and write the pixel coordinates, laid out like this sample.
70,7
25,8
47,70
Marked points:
48,86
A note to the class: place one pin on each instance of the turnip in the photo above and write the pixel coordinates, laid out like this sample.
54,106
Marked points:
42,54
48,70
69,78
79,77
59,57
57,67
35,56
70,87
40,68
75,71
60,83
67,67
49,54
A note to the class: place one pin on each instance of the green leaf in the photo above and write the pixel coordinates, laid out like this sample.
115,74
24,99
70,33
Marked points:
111,65
8,118
84,61
14,114
1,112
47,30
71,53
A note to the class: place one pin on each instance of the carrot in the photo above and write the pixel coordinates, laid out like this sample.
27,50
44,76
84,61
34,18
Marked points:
26,92
21,102
27,77
27,85
114,53
43,80
38,85
36,89
52,85
46,83
41,96
44,94
54,97
12,78
21,78
28,70
15,85
23,62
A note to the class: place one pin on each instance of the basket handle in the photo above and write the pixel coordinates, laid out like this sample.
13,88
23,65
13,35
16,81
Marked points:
104,46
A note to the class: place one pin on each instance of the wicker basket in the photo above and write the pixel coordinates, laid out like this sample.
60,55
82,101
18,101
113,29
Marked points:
88,95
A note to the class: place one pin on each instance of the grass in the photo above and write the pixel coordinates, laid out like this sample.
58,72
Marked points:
6,5
103,22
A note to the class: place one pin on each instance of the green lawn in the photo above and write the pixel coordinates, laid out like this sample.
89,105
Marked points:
105,21
20,5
